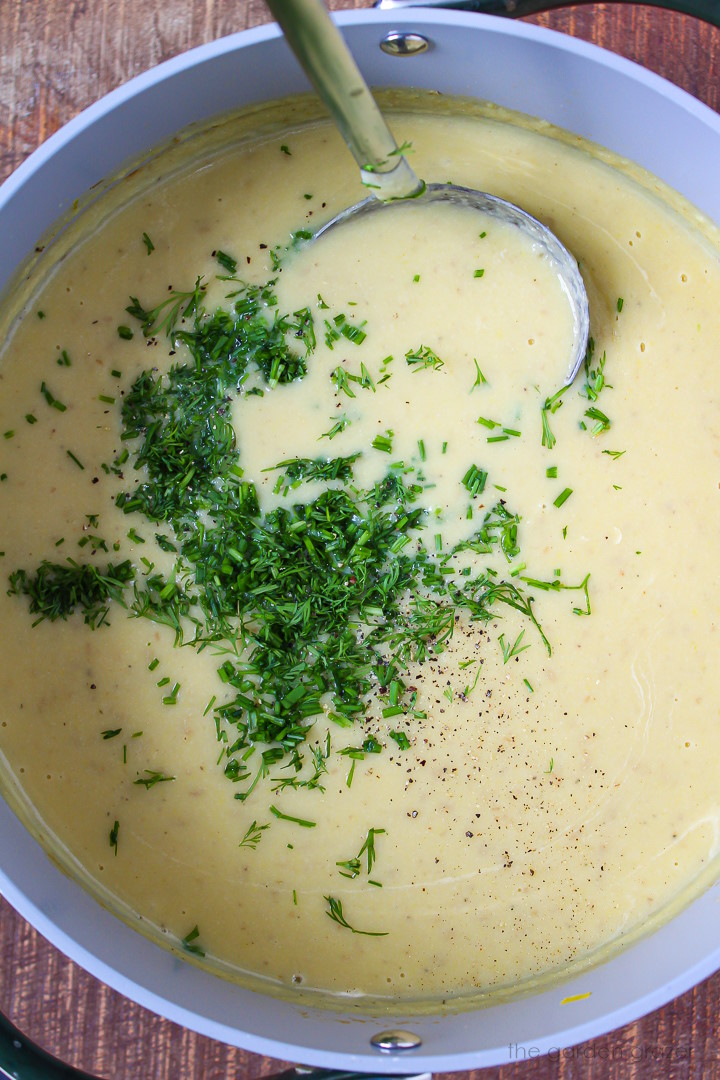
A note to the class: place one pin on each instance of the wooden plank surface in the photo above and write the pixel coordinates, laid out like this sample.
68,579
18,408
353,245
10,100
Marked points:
57,57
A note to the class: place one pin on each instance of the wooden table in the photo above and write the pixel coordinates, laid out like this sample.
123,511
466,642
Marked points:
56,57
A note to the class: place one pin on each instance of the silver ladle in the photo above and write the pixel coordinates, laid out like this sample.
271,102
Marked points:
321,50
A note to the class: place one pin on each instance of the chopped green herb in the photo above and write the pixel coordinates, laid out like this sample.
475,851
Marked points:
480,379
474,480
383,442
188,942
335,912
552,404
52,401
226,261
508,650
422,358
253,836
152,778
296,820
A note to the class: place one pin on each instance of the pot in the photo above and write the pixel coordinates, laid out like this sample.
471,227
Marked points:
576,86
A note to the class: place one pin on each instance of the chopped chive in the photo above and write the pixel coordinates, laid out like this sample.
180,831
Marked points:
226,261
563,497
383,442
51,400
76,460
172,697
188,942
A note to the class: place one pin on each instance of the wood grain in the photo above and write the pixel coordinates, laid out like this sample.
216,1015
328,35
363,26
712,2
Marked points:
57,57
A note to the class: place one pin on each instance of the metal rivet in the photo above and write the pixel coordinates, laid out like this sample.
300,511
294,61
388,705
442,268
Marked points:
398,43
395,1040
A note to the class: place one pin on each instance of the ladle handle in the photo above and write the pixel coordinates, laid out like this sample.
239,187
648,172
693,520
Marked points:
321,51
709,10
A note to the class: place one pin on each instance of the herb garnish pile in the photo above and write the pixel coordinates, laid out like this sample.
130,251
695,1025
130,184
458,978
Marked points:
319,605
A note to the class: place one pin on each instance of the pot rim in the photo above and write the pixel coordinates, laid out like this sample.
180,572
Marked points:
76,924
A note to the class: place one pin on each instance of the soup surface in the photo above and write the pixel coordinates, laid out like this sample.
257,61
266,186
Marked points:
341,648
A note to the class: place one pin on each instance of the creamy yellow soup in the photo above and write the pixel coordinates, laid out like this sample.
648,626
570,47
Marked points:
435,716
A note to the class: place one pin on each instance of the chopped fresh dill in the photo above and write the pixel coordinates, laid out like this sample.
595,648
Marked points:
151,778
422,358
480,379
508,650
253,835
288,817
551,405
350,868
335,912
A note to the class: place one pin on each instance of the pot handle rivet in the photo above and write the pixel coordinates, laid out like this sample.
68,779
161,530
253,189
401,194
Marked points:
389,1041
398,43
